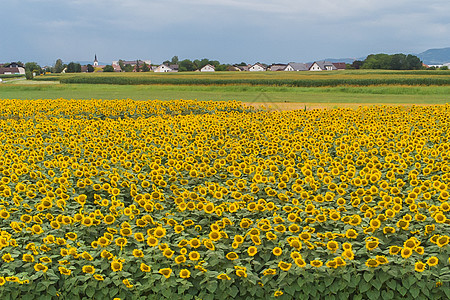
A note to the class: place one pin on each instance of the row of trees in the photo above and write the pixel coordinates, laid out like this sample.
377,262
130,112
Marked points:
388,62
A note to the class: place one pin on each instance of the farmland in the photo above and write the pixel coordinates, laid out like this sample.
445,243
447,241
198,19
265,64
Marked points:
184,199
331,89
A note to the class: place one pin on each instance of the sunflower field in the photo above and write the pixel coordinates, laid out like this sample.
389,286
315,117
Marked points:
182,199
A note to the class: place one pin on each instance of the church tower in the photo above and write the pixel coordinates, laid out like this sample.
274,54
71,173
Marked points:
95,61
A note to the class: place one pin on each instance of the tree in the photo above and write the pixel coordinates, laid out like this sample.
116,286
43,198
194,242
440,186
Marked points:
145,67
33,67
138,68
108,68
413,62
128,68
357,64
90,68
121,64
73,67
175,60
444,68
59,66
186,65
29,75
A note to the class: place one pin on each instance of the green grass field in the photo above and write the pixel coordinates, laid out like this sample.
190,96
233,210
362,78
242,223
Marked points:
48,88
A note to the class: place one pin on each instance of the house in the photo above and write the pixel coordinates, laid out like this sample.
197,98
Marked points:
322,66
208,68
257,68
164,69
174,68
340,65
233,69
292,66
13,65
12,68
12,71
242,68
277,67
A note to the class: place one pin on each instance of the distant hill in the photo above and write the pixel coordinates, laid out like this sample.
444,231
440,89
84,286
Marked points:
435,56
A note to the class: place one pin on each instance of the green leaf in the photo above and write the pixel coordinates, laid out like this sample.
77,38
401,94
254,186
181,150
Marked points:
376,283
211,286
383,276
364,286
355,281
328,281
415,291
373,294
90,291
402,290
358,297
368,276
387,295
233,291
392,284
347,277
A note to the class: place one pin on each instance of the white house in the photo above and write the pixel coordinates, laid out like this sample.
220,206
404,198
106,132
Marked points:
292,66
322,66
163,69
257,68
208,68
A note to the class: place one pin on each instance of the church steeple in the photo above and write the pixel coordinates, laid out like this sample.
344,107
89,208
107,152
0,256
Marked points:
95,61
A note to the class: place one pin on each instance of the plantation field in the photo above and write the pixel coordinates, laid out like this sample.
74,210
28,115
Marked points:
325,96
188,199
294,79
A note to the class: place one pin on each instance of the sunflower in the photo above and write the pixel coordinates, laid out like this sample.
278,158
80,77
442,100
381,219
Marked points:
88,269
278,293
232,256
300,262
406,252
223,276
432,261
145,268
165,272
277,251
316,263
64,271
184,273
372,263
419,266
116,266
284,265
40,267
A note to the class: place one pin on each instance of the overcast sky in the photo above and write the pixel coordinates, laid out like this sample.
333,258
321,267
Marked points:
230,31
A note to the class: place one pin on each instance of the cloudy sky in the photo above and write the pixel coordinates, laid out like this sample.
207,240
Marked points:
230,31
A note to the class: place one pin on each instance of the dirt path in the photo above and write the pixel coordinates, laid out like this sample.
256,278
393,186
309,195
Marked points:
309,106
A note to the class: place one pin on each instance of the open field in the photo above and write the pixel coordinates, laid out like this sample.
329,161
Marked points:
186,199
331,96
294,79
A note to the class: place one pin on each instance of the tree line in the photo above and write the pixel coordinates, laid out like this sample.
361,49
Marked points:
383,61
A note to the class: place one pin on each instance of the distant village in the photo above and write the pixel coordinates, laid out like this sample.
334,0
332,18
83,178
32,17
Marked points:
140,66
17,68
377,61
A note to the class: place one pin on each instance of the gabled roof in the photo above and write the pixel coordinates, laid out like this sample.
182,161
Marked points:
299,66
277,67
340,65
9,70
208,65
324,64
261,65
13,65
